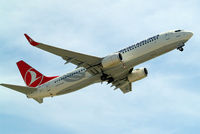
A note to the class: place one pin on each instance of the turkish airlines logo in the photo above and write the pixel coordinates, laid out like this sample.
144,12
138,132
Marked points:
30,40
31,78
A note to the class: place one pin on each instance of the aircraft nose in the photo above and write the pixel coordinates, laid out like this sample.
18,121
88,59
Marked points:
189,35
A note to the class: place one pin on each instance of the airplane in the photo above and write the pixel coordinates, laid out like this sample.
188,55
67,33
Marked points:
116,69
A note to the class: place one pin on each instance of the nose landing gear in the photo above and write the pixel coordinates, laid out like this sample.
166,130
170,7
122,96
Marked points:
180,49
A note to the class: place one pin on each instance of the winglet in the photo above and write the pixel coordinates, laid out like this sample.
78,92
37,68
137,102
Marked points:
32,42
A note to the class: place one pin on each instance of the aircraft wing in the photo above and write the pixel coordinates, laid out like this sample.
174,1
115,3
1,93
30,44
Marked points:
123,85
127,88
81,60
122,82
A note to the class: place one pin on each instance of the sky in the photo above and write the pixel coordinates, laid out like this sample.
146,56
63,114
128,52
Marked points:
166,102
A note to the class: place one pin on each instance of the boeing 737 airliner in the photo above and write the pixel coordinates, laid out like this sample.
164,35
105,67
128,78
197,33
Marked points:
116,69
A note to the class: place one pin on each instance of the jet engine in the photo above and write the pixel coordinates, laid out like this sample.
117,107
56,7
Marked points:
111,60
137,74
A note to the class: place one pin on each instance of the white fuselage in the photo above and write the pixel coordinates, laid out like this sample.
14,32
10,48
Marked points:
132,56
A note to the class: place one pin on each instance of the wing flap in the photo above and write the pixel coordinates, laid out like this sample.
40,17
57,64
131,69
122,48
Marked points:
21,89
123,85
127,88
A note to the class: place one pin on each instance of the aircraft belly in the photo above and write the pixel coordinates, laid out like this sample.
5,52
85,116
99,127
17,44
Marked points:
79,85
40,93
152,54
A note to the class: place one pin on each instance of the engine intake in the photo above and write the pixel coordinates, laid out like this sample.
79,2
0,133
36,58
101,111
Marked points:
137,74
111,60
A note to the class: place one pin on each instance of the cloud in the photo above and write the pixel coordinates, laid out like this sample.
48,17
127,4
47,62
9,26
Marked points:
165,102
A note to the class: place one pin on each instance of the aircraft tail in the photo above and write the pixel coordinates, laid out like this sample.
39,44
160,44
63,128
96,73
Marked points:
31,76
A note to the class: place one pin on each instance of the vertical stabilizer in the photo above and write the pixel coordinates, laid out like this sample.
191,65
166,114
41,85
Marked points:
31,76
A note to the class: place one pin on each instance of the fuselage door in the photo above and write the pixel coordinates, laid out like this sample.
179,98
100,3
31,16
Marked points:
167,36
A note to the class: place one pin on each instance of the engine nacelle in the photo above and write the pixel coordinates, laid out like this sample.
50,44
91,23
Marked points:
111,60
137,74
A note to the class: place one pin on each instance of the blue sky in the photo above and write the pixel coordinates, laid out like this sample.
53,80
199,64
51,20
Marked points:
166,102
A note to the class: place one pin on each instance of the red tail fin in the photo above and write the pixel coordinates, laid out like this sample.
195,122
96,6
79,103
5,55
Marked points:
32,77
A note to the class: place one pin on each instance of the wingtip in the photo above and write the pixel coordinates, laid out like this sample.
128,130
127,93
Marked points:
31,41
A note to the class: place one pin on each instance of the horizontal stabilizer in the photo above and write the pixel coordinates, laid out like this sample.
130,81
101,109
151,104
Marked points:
39,100
21,89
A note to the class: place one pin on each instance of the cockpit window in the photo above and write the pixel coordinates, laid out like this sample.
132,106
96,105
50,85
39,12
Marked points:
177,30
